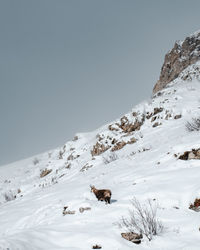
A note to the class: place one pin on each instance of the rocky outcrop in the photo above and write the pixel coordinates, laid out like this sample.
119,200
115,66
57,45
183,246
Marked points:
67,211
196,205
96,247
119,145
179,58
126,126
190,155
45,172
133,237
155,112
82,209
99,148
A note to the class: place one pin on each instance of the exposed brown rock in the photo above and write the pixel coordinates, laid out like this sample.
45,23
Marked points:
156,124
68,212
45,172
75,138
133,237
126,126
131,141
184,156
153,118
65,211
155,112
177,117
111,128
96,247
82,209
149,115
196,205
68,165
72,157
100,137
168,116
189,155
99,148
114,141
179,58
118,145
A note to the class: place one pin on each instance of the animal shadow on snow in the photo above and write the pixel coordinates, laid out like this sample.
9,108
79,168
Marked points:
113,201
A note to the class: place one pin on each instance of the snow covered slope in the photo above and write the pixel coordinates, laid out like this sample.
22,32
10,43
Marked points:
133,156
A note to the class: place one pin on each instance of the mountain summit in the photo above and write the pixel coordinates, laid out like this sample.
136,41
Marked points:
150,154
183,54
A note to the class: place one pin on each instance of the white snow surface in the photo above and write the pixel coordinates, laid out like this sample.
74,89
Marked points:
32,219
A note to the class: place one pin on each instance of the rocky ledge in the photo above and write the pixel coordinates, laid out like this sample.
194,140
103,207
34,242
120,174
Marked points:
179,58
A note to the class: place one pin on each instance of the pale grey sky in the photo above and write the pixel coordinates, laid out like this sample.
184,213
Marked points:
70,66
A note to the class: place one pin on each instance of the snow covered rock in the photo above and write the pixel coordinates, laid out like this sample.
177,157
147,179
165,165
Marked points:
196,205
190,155
133,237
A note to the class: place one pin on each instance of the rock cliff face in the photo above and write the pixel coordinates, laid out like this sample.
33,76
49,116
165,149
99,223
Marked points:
180,57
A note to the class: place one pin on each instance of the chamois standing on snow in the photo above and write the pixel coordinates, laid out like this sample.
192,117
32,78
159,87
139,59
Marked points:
102,194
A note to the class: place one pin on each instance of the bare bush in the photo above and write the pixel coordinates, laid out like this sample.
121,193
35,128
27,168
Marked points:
110,158
62,152
9,196
194,125
35,161
143,219
60,155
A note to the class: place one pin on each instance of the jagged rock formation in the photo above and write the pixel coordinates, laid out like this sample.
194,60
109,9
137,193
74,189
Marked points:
126,127
179,58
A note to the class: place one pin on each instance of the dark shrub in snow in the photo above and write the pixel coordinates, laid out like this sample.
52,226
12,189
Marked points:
194,125
96,247
143,219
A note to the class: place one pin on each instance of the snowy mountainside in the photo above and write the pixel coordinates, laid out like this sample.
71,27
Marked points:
133,156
